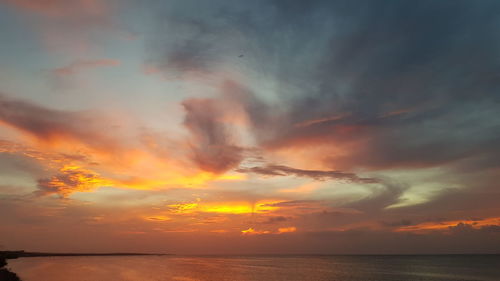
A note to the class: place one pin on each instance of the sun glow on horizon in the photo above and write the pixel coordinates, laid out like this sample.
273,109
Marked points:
224,207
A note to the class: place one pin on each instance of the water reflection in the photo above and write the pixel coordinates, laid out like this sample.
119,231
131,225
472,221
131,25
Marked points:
289,268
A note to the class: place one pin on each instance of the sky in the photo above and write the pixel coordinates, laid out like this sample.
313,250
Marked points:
250,127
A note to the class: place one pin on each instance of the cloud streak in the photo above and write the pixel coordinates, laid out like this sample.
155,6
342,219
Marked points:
281,170
81,65
50,125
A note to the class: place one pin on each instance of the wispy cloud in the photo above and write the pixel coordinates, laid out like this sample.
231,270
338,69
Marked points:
214,148
82,65
281,170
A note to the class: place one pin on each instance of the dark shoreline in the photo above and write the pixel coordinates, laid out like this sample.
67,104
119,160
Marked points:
5,274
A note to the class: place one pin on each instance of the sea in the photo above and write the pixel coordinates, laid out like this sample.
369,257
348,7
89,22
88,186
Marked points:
259,268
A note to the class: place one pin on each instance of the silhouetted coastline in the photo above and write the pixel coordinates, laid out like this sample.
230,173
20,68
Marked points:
5,274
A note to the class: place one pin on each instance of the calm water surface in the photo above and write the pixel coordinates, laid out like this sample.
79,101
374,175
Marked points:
261,268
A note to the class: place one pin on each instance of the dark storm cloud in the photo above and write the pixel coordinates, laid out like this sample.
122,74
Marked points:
213,146
281,170
416,82
393,84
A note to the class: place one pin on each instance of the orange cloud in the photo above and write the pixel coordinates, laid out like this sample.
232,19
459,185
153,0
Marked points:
61,139
252,231
125,167
446,225
71,179
159,218
287,229
183,208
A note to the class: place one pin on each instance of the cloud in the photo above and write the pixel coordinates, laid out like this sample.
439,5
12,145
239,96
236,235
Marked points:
61,8
315,122
281,230
364,86
281,170
188,57
287,229
69,180
336,85
295,203
252,231
73,26
213,143
52,125
403,222
193,45
80,65
457,225
275,219
293,209
109,155
237,207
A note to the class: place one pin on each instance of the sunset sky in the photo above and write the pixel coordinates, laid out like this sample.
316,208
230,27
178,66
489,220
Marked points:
242,127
